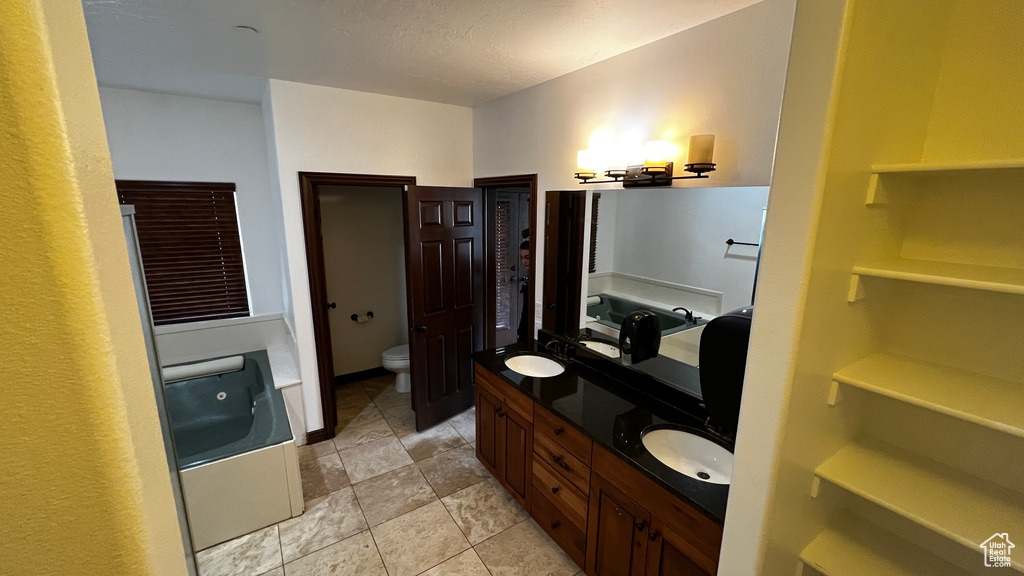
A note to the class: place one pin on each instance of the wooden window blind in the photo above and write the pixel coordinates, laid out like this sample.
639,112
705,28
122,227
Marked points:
191,251
504,236
593,233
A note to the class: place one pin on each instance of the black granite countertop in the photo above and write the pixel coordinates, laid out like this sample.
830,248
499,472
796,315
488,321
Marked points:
613,415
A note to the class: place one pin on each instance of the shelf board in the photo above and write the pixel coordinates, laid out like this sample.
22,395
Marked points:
910,167
963,508
853,547
990,402
989,278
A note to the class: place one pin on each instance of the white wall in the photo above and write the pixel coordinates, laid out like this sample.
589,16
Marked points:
313,128
165,137
724,77
679,237
364,257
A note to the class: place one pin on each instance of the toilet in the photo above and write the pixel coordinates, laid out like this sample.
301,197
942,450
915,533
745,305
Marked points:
397,360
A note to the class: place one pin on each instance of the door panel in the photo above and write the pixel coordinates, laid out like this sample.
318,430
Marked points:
617,532
444,276
487,408
668,554
518,454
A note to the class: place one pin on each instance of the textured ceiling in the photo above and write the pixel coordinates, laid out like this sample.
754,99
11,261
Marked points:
458,51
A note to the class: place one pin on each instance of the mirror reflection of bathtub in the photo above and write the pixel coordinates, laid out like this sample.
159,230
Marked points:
680,339
238,461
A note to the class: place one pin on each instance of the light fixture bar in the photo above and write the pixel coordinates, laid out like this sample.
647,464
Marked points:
641,177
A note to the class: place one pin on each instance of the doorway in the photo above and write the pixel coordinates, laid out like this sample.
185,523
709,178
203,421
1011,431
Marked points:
311,186
511,234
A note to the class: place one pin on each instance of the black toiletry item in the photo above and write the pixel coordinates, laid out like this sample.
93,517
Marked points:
639,337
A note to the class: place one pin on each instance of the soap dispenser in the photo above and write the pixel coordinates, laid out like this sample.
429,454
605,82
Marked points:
639,337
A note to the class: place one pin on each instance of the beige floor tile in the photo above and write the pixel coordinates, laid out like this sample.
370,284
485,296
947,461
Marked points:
525,550
401,418
389,397
367,427
454,470
322,476
418,540
465,564
374,385
483,510
374,458
349,389
275,572
354,406
354,556
394,493
314,451
431,442
254,553
465,424
326,520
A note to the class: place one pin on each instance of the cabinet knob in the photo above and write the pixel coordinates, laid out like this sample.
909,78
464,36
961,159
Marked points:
558,460
653,536
554,489
641,525
558,431
496,409
555,525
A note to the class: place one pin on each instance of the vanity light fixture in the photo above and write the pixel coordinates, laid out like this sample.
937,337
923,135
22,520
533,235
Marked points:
655,170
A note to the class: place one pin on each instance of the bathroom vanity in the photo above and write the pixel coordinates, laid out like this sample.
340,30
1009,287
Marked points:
568,448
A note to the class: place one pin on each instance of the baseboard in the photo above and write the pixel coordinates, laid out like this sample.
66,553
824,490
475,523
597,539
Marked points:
361,375
317,436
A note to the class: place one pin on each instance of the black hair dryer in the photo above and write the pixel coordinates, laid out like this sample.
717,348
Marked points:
639,337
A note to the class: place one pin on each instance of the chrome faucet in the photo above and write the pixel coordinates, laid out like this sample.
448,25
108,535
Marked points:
689,315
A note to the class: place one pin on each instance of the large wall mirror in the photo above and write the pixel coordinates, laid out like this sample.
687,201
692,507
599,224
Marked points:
613,251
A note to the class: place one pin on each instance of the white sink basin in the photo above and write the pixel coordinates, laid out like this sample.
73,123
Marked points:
609,350
690,454
534,365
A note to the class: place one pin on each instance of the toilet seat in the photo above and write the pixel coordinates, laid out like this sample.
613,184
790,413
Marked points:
396,354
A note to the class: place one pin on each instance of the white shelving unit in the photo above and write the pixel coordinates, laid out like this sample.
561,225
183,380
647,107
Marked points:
989,278
960,507
854,547
991,402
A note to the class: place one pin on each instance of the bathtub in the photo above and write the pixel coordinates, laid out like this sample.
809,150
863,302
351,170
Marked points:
237,459
612,310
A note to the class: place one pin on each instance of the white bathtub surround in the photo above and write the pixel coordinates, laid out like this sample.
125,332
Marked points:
200,369
179,343
219,506
657,293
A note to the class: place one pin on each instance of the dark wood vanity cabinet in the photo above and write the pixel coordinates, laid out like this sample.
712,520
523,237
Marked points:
605,514
504,441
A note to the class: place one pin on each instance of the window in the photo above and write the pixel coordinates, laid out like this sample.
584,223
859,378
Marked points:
593,233
191,251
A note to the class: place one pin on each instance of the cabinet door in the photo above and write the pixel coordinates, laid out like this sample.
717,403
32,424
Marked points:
669,554
487,421
516,456
617,532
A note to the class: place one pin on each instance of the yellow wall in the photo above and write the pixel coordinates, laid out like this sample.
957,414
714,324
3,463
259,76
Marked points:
85,489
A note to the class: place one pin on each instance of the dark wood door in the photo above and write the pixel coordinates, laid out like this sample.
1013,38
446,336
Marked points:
487,449
516,454
444,257
564,219
617,532
669,554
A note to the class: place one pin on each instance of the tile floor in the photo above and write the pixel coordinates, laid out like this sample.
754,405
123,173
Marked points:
385,500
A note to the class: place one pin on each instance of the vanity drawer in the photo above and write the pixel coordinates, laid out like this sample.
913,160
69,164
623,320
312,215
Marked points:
564,435
560,492
569,538
512,398
562,461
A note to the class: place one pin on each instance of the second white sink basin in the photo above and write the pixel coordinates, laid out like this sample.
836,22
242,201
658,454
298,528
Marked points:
690,454
609,350
534,365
